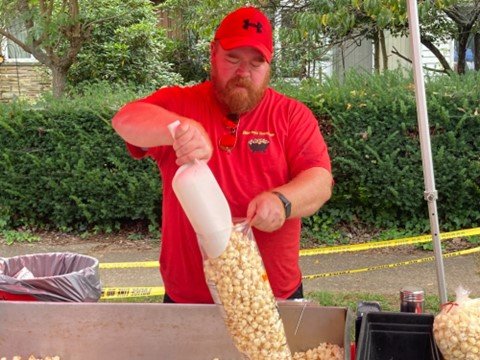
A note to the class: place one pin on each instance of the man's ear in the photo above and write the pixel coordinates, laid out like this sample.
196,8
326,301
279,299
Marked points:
213,50
213,47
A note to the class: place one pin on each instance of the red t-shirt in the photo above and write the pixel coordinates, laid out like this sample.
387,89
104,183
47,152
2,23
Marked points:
275,141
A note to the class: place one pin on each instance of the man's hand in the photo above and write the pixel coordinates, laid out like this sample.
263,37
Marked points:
191,142
307,192
265,212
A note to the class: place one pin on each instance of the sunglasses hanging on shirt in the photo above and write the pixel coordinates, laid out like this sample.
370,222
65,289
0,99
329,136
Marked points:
228,140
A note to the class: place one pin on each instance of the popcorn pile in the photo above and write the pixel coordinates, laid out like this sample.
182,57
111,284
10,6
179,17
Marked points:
323,352
237,279
457,328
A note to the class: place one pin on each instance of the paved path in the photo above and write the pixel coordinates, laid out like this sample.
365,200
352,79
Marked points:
460,270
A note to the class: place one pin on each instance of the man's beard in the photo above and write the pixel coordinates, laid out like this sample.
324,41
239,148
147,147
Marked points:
237,100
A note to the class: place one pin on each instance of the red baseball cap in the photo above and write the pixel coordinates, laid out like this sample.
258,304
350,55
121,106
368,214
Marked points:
246,26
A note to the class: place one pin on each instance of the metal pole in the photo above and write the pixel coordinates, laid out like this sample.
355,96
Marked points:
430,193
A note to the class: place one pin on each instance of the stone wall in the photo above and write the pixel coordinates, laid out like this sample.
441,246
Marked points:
25,81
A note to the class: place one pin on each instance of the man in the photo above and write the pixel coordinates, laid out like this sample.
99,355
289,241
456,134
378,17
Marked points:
265,150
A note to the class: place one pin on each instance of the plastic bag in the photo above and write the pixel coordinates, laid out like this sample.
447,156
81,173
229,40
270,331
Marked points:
51,277
457,327
237,279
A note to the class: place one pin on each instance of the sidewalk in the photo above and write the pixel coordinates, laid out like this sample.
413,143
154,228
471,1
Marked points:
460,270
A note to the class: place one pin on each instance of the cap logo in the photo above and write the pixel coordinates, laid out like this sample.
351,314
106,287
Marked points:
247,24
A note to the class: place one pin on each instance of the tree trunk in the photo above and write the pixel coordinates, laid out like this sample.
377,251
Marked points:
304,69
59,81
384,49
462,51
376,60
435,51
476,50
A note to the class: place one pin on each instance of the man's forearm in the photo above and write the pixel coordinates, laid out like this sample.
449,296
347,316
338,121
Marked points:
308,191
144,125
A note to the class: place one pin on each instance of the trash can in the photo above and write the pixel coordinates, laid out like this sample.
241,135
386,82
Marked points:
55,276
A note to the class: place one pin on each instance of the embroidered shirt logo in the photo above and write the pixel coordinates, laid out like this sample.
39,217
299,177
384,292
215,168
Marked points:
258,144
247,24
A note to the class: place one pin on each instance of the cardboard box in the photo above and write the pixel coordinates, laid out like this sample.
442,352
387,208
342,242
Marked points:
101,331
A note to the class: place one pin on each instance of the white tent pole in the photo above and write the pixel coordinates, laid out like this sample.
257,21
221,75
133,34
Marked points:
424,132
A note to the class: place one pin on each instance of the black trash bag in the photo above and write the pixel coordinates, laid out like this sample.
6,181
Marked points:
52,277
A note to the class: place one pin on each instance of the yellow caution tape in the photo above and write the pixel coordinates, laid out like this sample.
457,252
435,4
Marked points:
388,243
128,292
389,266
327,250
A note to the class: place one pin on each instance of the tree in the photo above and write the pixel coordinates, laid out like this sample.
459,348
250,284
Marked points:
102,39
56,31
440,20
465,15
310,28
317,26
125,49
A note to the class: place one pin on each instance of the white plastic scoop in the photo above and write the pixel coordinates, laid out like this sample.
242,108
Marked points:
204,204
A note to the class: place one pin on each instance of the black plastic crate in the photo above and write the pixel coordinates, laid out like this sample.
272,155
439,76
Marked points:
397,336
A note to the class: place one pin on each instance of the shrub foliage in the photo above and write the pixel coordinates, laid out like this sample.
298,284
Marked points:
127,46
370,125
63,167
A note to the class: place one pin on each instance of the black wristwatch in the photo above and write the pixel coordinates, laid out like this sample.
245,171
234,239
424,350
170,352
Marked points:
286,204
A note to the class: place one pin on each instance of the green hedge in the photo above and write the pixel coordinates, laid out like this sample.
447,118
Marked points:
370,125
63,167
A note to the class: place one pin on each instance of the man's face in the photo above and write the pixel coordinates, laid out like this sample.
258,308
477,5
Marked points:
240,77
